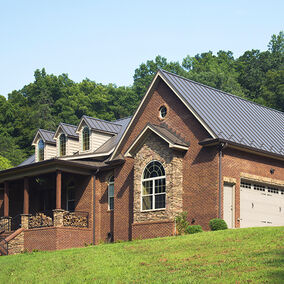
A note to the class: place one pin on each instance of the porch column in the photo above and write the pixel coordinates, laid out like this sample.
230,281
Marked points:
6,199
26,196
58,189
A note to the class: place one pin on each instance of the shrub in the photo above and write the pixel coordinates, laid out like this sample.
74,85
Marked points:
217,224
193,229
181,222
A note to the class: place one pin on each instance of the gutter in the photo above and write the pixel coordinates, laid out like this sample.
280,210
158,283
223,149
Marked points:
212,142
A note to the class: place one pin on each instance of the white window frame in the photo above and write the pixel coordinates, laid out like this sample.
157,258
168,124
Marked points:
109,196
153,189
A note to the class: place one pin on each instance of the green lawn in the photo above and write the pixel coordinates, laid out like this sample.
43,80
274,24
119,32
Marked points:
233,256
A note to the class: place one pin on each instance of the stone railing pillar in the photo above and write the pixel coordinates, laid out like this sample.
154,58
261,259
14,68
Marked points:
25,221
6,223
58,217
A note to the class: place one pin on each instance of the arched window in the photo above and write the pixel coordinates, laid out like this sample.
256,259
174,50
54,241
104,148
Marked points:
111,193
154,186
40,150
86,139
62,144
70,204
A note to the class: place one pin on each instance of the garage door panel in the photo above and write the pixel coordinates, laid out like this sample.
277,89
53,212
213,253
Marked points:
261,205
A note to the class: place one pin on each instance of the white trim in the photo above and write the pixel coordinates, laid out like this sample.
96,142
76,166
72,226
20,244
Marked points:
144,98
133,117
153,189
108,196
57,130
171,145
83,156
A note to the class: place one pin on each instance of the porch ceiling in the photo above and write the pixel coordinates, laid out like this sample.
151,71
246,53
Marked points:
47,166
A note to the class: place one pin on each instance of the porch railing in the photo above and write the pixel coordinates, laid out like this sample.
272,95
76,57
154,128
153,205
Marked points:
5,224
41,219
76,219
3,247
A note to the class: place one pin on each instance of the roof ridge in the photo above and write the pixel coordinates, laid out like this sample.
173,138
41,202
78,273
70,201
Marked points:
68,124
123,118
46,130
101,120
228,94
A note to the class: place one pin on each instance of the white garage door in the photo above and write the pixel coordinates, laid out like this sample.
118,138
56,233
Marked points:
261,205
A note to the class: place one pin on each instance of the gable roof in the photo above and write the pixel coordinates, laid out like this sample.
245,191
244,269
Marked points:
168,136
68,129
231,117
46,135
100,125
113,141
28,161
226,116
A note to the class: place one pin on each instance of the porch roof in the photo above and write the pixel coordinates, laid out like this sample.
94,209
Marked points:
47,166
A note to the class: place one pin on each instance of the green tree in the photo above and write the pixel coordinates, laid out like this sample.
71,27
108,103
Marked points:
4,163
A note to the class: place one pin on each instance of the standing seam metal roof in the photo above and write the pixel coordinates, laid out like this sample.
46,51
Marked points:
231,117
47,136
102,125
69,130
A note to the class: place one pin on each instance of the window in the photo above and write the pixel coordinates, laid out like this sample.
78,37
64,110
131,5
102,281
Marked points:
86,139
62,145
40,150
154,187
111,193
71,197
163,111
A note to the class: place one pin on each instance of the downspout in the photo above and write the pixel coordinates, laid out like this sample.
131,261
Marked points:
94,203
221,147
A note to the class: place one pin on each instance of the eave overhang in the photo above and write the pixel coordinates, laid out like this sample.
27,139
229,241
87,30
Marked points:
48,166
149,128
213,142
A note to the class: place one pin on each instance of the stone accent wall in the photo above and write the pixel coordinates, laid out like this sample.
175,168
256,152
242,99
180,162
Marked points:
155,148
16,242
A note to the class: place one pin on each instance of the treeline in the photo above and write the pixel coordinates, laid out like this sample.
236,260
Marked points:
50,99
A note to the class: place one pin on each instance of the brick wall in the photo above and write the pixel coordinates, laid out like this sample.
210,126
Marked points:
56,238
236,162
146,230
200,166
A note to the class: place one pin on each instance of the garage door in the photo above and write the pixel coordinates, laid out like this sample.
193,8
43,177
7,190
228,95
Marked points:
261,205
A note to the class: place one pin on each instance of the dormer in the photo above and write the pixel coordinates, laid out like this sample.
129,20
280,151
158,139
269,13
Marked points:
45,145
94,132
67,140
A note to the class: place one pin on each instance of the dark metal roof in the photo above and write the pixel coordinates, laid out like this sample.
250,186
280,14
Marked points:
174,138
28,161
69,130
47,136
102,125
230,117
113,141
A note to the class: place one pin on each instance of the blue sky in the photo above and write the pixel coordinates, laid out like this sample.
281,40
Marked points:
106,41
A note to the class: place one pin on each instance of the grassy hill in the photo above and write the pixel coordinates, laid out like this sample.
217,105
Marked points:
231,256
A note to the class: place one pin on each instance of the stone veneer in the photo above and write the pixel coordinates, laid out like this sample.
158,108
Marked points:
154,148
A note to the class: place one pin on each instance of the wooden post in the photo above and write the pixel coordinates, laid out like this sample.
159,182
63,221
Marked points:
58,189
6,199
26,195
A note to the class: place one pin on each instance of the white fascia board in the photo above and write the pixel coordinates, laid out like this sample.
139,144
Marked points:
36,138
148,127
133,117
57,130
202,122
79,126
92,155
196,115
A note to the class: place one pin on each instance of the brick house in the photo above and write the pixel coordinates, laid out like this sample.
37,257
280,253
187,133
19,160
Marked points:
188,147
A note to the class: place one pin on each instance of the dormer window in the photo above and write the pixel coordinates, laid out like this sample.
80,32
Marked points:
86,139
62,144
40,150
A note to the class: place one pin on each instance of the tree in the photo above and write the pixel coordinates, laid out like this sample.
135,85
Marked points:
4,163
